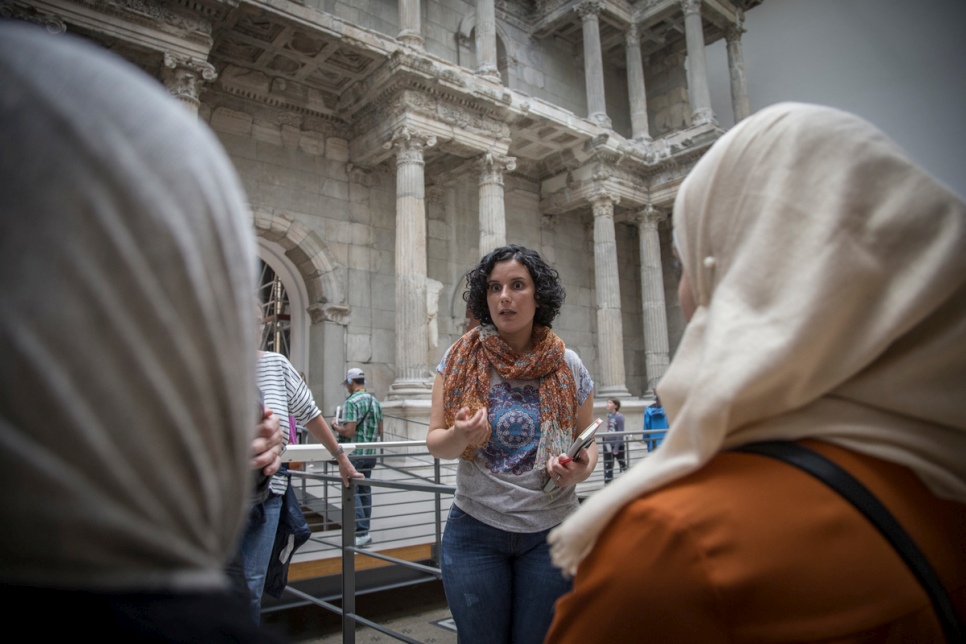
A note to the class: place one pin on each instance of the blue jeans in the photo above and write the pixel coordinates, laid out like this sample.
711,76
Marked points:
364,494
256,549
501,586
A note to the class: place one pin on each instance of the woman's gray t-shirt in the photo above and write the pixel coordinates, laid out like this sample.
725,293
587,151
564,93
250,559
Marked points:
500,486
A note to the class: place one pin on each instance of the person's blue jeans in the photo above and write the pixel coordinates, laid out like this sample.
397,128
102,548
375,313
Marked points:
256,549
364,494
501,586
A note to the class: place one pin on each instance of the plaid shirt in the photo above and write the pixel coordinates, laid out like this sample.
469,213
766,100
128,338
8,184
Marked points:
363,408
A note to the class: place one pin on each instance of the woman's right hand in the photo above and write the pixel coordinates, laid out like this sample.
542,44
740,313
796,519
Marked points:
471,428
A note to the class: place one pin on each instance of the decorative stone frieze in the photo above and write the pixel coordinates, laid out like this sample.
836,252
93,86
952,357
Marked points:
23,11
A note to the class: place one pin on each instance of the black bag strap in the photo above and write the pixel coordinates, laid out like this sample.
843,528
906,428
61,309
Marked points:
858,495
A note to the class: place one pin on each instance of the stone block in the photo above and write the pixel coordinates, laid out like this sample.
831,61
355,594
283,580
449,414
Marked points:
358,345
358,291
383,344
335,189
312,143
337,149
358,259
231,121
359,212
383,294
267,132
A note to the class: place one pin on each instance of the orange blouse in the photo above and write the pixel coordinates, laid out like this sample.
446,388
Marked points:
750,549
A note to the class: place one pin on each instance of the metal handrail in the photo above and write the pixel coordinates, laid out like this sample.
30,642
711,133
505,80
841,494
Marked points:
424,476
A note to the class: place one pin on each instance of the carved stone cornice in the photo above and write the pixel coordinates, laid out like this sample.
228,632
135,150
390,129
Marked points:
163,16
26,13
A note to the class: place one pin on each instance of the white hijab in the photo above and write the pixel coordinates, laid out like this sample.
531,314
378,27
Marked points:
127,401
829,274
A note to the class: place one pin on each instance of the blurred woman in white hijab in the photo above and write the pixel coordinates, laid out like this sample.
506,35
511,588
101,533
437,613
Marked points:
127,397
824,278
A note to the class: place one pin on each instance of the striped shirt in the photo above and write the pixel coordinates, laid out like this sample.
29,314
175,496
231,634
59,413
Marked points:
285,393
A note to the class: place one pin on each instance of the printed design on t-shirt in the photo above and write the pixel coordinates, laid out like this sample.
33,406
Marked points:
514,416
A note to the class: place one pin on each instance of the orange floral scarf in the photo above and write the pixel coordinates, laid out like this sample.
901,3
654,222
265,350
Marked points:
466,383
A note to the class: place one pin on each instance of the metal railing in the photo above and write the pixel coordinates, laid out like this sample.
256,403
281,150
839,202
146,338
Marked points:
411,495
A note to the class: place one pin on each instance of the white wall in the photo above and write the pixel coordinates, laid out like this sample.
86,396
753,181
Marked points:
899,64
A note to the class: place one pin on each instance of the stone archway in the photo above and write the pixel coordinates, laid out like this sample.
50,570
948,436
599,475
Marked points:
306,250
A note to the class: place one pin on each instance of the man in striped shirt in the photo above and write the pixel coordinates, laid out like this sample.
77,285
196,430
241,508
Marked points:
284,393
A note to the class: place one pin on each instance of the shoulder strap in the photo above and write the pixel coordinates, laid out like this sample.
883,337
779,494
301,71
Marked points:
859,496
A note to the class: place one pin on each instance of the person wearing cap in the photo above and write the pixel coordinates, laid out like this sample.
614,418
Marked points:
361,422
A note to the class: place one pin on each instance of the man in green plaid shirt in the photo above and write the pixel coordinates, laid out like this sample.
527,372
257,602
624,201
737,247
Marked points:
361,422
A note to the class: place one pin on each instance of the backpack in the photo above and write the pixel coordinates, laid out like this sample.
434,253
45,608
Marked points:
655,418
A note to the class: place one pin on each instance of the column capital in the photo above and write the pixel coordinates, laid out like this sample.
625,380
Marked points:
491,162
633,35
733,31
691,7
589,8
409,142
603,202
649,217
184,77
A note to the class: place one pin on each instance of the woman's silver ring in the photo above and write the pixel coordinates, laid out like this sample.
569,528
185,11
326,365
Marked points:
558,478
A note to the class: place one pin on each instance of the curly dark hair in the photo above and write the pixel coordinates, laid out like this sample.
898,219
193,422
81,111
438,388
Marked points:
548,291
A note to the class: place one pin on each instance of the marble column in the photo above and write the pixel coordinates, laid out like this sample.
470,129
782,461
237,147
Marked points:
610,332
736,66
185,77
412,372
589,10
701,112
410,29
486,39
656,348
492,205
635,85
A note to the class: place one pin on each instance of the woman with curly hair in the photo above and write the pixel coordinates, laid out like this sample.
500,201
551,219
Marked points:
509,398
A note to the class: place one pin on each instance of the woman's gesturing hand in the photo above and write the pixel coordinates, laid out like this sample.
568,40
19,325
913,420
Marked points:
472,428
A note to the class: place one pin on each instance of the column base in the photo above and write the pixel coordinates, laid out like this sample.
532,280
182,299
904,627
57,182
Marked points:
612,391
411,38
490,72
601,119
417,389
703,116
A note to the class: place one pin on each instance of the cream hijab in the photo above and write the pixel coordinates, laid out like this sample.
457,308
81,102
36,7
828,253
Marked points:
829,274
127,401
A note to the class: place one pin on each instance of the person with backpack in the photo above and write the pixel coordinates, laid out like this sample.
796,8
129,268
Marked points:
654,418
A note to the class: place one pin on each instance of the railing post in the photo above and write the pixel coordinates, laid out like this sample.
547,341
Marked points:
348,563
438,550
